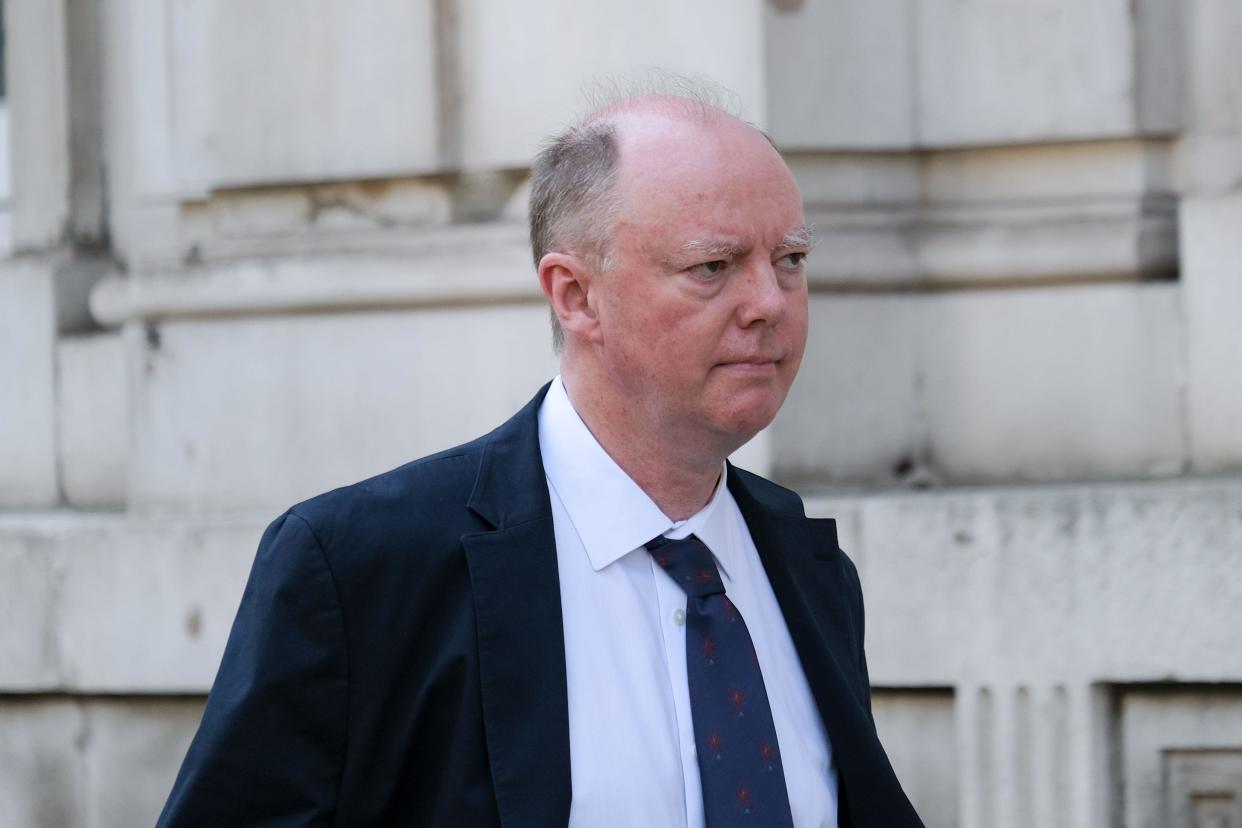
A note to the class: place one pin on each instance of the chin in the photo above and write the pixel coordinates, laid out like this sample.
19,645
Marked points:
745,423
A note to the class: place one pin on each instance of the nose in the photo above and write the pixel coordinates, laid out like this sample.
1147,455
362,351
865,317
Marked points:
763,300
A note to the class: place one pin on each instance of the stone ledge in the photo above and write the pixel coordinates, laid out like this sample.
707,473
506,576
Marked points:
894,246
461,264
1000,244
1073,583
1117,582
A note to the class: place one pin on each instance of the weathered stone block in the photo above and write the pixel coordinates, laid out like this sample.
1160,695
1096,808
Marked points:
917,730
1075,239
6,179
27,390
116,604
1088,171
856,179
1212,291
1042,565
41,780
1210,165
29,608
36,88
93,416
251,107
865,248
533,90
274,219
840,74
851,416
107,763
1055,384
189,575
446,266
856,75
1214,28
1024,72
1086,210
262,412
145,175
131,757
1210,153
1160,727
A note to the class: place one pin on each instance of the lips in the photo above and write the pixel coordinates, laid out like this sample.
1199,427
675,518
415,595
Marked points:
753,365
757,360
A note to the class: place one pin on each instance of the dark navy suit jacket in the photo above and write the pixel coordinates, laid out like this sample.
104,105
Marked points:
398,656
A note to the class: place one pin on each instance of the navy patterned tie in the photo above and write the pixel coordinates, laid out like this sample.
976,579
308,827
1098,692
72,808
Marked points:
739,760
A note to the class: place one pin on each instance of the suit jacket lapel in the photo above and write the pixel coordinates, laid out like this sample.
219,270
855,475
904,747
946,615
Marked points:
817,595
801,559
516,588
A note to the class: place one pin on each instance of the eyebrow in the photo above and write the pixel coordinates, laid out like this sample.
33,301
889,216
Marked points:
702,247
804,236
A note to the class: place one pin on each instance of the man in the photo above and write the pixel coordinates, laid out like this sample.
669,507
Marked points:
586,616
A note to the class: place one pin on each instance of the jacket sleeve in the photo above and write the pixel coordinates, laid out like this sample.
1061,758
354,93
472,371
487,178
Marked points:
271,745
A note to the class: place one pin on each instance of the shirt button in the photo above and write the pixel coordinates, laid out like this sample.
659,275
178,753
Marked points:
679,617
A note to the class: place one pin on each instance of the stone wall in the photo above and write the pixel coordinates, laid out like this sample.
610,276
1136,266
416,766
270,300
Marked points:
248,255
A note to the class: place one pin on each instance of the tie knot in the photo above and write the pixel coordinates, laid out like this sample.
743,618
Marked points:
689,563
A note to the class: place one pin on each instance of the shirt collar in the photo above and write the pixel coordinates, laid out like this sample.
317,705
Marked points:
608,510
712,526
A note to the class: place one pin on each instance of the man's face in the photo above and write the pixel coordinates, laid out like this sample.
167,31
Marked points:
703,314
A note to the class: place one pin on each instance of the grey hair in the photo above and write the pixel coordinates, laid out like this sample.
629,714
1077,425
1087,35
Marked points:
571,198
573,202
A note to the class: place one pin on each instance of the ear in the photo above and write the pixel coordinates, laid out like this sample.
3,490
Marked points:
567,281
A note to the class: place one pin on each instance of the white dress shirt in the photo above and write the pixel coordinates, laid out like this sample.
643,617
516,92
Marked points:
631,738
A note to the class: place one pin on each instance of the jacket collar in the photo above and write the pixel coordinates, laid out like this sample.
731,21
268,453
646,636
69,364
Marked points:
516,589
510,488
517,599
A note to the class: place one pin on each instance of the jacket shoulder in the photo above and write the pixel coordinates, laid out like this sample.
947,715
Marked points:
423,498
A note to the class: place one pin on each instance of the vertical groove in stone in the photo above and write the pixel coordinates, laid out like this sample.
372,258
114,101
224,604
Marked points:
87,217
965,703
986,777
37,93
447,33
1060,756
1023,763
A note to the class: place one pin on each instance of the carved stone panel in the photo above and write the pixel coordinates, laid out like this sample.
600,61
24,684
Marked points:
1203,788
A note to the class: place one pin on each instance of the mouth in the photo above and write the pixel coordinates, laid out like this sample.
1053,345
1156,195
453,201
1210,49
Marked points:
751,365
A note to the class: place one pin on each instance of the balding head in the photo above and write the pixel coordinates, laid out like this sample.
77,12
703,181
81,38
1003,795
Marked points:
574,200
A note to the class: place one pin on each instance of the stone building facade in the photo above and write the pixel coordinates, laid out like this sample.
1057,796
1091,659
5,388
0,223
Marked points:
252,250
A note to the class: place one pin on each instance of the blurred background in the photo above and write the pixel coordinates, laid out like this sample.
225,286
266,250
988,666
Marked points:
252,249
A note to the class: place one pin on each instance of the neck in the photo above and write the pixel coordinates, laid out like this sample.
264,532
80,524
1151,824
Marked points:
678,476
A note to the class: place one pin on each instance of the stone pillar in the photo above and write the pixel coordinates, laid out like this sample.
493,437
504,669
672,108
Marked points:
28,475
1026,755
38,101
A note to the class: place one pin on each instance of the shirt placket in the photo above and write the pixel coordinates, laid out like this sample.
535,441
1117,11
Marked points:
672,607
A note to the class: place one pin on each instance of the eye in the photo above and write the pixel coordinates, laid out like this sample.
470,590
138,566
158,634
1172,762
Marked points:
707,270
792,261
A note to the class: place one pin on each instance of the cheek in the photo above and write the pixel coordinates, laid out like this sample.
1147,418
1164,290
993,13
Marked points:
800,336
796,334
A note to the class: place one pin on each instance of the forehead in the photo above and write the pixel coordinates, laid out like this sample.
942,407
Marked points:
711,178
